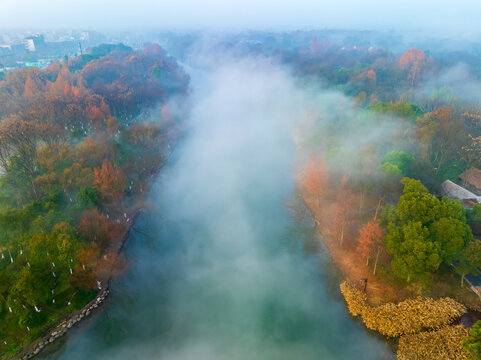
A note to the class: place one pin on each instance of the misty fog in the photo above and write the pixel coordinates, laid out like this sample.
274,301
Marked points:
216,270
429,18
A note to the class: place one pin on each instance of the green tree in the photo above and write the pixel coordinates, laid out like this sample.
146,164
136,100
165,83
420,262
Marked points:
422,232
415,257
416,203
473,343
451,208
452,236
469,260
400,159
474,215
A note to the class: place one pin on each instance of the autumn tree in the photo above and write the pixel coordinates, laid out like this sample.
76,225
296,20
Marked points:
91,152
413,60
371,75
471,151
99,229
316,177
110,180
31,88
441,134
85,271
370,237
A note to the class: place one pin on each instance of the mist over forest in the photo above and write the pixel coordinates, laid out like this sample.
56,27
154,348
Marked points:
240,180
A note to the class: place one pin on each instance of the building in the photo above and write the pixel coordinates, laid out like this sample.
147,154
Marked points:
32,43
454,191
471,180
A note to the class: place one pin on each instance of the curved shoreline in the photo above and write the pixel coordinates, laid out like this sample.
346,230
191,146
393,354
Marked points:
73,319
57,331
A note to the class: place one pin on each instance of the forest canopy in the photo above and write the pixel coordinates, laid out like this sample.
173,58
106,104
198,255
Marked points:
75,160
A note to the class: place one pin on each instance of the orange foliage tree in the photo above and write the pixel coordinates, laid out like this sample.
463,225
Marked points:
316,177
85,270
91,152
98,229
371,75
31,88
110,180
370,237
413,60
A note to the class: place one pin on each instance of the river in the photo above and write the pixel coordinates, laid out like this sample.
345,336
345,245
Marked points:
219,269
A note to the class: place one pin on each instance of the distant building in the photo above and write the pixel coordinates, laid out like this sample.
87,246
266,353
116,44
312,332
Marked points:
471,180
32,43
454,191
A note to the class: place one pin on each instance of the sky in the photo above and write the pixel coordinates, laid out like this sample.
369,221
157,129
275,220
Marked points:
432,16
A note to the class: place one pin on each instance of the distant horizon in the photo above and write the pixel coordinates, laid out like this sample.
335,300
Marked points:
428,18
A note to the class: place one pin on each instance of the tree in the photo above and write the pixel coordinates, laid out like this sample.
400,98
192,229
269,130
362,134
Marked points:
92,153
85,272
342,214
97,228
441,134
370,237
471,152
400,160
472,344
21,139
87,197
452,236
413,60
469,260
371,75
110,180
422,232
414,256
31,88
316,177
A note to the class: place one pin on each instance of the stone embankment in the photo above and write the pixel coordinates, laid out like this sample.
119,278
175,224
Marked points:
62,328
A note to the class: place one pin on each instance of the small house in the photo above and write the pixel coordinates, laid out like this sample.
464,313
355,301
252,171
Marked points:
454,191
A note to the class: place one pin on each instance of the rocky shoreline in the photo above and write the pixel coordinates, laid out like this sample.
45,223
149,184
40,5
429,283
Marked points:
61,329
73,319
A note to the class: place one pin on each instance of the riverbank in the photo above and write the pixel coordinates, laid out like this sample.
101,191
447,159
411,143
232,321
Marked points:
383,290
54,333
382,287
128,220
351,265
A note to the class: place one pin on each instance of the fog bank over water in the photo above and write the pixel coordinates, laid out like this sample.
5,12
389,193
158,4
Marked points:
216,270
